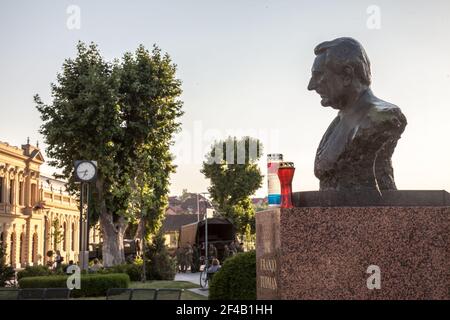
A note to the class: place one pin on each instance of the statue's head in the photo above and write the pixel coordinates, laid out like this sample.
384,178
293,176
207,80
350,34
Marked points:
341,69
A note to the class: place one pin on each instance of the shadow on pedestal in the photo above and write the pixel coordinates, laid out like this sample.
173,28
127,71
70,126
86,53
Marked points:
391,198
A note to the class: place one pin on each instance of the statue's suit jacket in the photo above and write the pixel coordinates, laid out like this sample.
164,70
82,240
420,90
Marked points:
355,151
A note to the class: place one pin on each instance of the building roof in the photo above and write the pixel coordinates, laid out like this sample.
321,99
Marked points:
187,204
175,221
52,184
26,151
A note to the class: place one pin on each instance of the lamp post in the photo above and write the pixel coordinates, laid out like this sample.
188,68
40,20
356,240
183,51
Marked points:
198,210
206,227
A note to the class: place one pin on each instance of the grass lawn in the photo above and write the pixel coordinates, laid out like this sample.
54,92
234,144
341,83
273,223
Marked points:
159,284
162,284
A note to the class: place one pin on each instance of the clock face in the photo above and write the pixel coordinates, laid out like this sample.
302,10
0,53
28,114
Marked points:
86,171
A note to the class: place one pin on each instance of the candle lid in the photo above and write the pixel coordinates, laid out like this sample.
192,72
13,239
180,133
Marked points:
275,157
286,165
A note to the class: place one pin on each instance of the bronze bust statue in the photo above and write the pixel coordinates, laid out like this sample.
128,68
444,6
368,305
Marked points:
355,151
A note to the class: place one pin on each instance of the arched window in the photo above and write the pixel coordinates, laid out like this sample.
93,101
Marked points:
33,194
21,193
46,238
12,245
11,191
21,243
64,237
1,189
72,245
34,248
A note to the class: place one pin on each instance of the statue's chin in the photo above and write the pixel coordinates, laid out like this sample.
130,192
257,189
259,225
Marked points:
325,102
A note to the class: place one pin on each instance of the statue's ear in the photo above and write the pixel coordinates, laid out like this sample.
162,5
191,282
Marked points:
347,75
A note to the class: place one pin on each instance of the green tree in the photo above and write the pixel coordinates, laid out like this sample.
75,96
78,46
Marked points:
6,272
232,168
184,195
58,235
160,265
123,115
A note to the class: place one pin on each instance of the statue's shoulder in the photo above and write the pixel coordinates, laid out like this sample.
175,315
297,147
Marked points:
385,114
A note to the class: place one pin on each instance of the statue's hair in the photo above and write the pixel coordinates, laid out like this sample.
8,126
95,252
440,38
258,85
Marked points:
346,52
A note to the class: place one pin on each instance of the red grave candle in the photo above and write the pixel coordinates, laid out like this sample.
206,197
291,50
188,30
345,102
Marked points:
286,174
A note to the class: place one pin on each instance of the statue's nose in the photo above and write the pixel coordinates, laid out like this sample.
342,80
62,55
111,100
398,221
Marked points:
311,85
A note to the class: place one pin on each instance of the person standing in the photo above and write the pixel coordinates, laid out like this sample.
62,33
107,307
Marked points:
212,251
226,252
189,256
179,256
58,260
137,243
195,258
183,262
233,249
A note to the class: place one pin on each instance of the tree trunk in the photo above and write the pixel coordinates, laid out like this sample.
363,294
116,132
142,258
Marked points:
112,233
140,230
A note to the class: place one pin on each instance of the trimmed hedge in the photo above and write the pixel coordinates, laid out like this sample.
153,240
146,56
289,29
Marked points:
134,271
236,280
92,285
34,271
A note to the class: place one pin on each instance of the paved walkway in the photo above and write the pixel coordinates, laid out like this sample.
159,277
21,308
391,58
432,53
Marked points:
194,278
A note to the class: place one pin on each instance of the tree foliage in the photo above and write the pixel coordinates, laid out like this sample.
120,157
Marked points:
58,235
6,272
123,114
231,166
160,265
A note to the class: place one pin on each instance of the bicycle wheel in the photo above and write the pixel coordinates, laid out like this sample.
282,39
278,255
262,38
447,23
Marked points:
204,278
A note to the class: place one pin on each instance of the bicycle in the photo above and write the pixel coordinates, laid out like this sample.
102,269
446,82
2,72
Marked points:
203,273
209,269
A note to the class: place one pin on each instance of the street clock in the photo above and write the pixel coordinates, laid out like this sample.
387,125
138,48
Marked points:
85,170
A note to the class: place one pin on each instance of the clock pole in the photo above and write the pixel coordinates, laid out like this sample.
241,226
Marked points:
85,173
81,230
87,221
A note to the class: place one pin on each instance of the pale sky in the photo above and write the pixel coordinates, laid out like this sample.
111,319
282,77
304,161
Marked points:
245,66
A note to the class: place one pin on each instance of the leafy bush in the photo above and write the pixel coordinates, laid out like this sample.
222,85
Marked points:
236,280
160,265
92,285
34,271
6,272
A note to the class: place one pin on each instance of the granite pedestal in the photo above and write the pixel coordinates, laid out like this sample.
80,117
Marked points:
322,248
